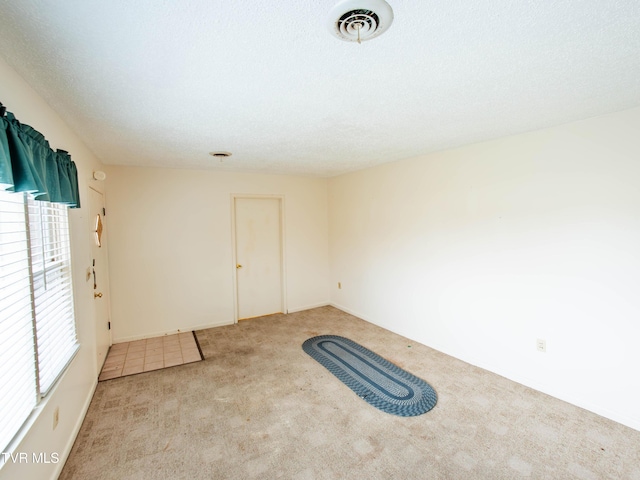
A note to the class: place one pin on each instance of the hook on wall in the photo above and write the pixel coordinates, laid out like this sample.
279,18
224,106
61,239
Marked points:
3,110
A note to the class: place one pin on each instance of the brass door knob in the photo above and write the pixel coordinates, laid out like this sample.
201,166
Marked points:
97,295
238,266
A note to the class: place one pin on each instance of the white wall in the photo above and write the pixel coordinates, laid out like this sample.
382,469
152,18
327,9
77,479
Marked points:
476,252
479,251
75,389
170,247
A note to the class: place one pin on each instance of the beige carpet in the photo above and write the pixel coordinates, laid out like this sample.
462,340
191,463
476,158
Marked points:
259,407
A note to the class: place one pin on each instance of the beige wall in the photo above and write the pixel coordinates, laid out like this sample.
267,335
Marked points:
479,251
171,246
476,252
75,389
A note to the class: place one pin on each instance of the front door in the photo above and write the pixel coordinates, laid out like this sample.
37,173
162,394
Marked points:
258,233
100,276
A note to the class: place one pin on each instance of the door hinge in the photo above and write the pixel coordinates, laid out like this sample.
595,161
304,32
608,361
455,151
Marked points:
104,212
109,324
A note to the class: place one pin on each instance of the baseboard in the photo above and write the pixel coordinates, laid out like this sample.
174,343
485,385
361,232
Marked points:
514,377
76,430
161,333
345,309
578,402
357,314
622,419
308,307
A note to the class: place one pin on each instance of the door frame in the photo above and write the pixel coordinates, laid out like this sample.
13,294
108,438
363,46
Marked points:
106,287
234,256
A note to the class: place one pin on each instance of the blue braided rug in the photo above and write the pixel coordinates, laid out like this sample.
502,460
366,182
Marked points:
374,379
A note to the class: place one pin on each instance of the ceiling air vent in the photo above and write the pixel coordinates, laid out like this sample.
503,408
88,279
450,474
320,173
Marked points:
359,20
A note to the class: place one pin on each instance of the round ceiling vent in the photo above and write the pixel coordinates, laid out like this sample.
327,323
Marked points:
359,20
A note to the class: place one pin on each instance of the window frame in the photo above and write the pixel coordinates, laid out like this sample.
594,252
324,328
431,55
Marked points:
47,304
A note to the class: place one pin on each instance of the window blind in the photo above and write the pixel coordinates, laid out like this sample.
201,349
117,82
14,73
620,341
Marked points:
17,354
51,266
37,325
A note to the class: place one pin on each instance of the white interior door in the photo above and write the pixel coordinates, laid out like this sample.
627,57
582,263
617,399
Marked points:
258,233
100,276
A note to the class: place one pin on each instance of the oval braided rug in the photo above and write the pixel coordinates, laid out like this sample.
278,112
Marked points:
374,379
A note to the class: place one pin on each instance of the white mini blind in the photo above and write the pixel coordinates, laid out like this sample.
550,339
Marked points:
53,292
37,325
18,391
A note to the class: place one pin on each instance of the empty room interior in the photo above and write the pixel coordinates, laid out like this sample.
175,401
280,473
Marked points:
452,185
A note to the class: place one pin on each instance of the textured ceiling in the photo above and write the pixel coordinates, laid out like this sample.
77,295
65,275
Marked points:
152,82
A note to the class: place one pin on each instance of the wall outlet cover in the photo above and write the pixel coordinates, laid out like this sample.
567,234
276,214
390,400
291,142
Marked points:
541,345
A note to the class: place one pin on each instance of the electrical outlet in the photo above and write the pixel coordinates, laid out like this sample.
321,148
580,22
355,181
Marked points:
339,285
541,345
56,417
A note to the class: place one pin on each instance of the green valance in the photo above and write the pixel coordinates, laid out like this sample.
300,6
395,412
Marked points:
28,164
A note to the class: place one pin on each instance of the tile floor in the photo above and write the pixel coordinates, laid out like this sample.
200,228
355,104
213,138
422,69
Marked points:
150,354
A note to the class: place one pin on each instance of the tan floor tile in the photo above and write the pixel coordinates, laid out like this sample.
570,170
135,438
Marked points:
173,362
133,370
111,368
153,358
109,375
115,359
116,353
153,366
132,362
119,347
191,358
138,354
129,358
172,356
172,348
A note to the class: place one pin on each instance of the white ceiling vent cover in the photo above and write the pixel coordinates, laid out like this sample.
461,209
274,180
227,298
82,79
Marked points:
359,20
